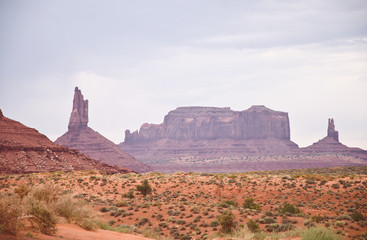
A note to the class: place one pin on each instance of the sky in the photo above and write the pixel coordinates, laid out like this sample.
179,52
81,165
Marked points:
137,60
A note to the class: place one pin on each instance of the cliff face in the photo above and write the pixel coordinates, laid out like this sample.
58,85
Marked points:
209,132
86,140
209,123
25,150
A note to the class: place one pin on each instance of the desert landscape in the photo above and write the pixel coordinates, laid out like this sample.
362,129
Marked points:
183,120
284,204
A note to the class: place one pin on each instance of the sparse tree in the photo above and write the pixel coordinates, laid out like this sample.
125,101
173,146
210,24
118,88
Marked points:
145,188
227,221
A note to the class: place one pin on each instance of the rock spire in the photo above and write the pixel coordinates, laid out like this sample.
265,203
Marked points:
79,114
331,130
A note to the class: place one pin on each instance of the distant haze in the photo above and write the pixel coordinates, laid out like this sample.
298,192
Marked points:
137,60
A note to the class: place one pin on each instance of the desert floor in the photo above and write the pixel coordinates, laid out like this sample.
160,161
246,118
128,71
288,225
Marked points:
186,205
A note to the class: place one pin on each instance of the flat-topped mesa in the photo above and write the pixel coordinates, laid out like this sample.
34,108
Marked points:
79,114
209,123
331,130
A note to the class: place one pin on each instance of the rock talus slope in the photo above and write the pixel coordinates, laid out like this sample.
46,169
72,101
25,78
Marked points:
25,150
86,140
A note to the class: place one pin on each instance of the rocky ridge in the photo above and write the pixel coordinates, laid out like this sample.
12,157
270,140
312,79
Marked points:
91,143
25,150
221,140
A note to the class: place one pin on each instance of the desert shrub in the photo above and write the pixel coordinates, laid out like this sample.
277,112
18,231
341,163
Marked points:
130,195
77,212
242,233
269,220
319,233
214,223
227,221
318,218
144,188
22,190
286,227
253,226
274,227
143,221
344,217
250,204
310,181
43,217
339,223
10,211
356,216
46,193
104,209
163,225
289,208
227,204
122,204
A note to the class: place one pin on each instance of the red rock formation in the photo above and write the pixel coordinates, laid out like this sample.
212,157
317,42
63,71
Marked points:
79,114
209,123
25,150
93,144
331,144
331,130
211,132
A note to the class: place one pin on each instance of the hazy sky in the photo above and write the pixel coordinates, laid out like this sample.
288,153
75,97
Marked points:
137,60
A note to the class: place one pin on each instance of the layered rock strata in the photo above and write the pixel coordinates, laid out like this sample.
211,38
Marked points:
25,150
221,140
86,140
211,132
209,123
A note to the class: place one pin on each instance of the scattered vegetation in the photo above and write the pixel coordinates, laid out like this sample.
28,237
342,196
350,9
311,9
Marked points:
256,205
145,188
318,233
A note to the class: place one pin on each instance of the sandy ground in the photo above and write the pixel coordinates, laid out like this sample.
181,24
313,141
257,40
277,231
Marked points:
73,232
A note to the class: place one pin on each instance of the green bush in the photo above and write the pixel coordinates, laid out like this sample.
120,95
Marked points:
250,204
145,188
356,216
289,208
253,226
227,221
214,223
318,218
319,233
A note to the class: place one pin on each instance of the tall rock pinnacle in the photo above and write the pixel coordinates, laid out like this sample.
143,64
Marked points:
79,115
331,130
